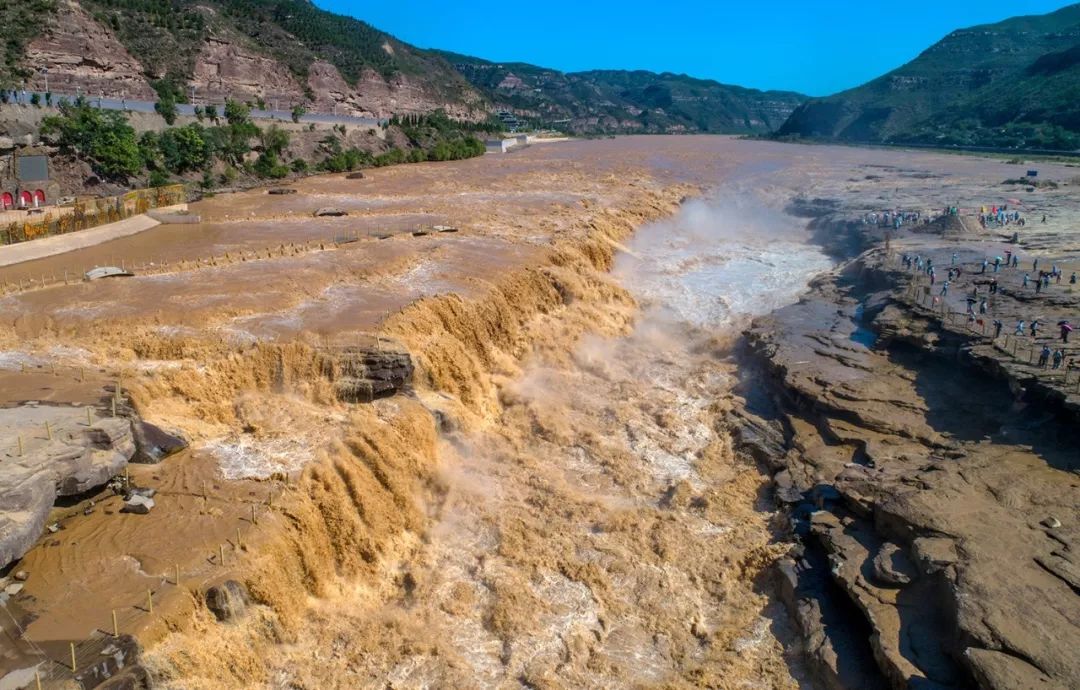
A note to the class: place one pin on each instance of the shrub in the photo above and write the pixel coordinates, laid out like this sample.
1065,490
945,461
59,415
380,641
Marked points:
298,112
166,108
158,178
35,100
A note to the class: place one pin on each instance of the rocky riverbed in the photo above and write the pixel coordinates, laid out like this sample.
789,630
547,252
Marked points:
929,469
503,456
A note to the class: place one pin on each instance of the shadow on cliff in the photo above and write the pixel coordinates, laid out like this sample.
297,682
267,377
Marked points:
970,405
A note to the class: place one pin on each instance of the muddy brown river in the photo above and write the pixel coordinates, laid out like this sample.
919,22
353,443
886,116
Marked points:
556,504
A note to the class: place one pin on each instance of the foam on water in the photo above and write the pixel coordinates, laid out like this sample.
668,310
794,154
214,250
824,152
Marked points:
720,259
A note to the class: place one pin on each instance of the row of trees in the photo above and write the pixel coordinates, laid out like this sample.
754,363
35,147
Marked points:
110,144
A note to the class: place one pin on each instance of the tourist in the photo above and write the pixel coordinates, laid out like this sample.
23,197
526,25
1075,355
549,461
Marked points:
985,263
1044,356
1066,328
1072,278
993,286
1025,280
945,288
954,257
1035,328
1015,261
998,325
982,306
1058,356
1019,327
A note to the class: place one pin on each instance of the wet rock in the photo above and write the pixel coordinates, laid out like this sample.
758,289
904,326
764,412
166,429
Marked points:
785,489
330,211
363,374
893,567
355,176
139,505
760,439
280,191
116,667
153,444
227,601
132,678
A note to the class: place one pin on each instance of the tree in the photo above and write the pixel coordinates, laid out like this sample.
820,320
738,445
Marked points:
185,149
166,108
211,113
236,113
35,100
268,165
298,112
200,114
275,139
104,138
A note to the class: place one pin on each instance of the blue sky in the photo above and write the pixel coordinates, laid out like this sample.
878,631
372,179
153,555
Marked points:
817,47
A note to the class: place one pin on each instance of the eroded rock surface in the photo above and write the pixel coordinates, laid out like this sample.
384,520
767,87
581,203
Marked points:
67,458
920,467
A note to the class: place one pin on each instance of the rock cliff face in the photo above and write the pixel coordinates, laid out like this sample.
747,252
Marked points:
926,485
82,56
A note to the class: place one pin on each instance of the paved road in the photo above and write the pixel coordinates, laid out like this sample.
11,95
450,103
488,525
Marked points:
187,109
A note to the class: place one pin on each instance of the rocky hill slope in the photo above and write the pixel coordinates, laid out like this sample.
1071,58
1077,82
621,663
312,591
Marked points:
289,52
1010,84
626,101
282,51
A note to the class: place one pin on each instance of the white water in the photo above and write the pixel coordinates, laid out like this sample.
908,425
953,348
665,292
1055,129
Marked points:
719,261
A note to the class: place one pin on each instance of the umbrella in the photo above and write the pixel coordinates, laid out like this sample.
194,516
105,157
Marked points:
1063,323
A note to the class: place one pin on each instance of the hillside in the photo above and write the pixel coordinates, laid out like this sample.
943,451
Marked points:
284,51
1009,84
625,101
288,52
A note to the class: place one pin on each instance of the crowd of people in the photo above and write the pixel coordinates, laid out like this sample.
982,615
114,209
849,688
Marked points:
978,304
1000,216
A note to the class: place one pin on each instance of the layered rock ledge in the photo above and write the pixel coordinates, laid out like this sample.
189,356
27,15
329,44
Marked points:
929,471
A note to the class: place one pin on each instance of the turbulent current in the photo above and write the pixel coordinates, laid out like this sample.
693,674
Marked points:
596,530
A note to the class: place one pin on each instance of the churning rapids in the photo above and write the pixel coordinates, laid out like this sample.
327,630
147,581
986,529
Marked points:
601,533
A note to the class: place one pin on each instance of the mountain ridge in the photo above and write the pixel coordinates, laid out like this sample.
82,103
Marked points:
292,52
978,85
625,100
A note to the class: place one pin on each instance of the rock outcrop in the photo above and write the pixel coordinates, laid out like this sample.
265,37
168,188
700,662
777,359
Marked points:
920,471
82,56
362,374
78,457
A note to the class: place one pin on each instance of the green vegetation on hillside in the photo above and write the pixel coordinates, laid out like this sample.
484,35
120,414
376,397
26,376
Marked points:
166,37
612,101
106,140
1013,84
20,22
